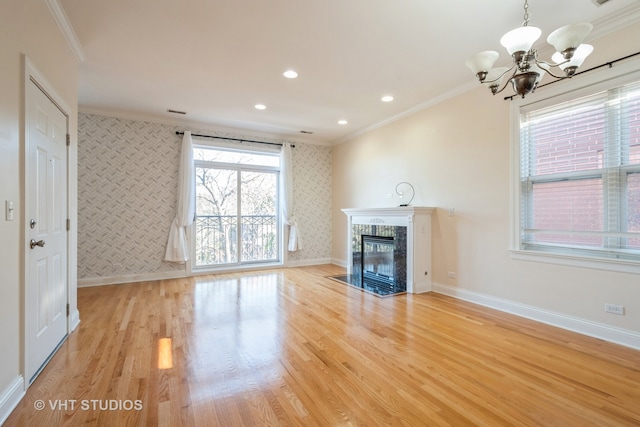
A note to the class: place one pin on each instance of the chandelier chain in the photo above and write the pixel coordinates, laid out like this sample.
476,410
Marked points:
526,13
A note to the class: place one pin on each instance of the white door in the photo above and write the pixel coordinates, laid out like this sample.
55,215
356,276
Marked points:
46,294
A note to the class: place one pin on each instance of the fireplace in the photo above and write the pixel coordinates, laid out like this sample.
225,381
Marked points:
379,259
378,264
389,249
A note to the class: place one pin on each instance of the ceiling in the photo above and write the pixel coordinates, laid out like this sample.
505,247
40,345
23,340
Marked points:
216,59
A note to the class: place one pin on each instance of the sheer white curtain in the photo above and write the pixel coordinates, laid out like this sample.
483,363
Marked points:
286,196
177,246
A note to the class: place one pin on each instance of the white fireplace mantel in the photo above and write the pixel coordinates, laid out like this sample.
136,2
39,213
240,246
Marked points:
418,222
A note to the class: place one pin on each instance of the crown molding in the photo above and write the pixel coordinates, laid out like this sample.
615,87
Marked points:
460,90
609,24
198,126
615,21
67,30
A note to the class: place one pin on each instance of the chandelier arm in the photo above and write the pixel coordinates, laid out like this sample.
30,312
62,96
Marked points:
503,87
557,77
507,82
500,76
548,70
552,64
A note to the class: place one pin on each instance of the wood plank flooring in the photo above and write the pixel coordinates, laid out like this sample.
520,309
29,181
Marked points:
293,348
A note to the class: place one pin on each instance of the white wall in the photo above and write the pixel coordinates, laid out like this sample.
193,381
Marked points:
26,27
457,155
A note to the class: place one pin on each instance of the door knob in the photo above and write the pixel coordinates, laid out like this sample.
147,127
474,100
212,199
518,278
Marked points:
33,243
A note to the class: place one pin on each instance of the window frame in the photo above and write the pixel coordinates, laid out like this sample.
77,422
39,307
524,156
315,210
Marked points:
579,86
192,267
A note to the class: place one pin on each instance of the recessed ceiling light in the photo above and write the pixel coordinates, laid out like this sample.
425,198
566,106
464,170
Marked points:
260,106
387,98
290,74
342,122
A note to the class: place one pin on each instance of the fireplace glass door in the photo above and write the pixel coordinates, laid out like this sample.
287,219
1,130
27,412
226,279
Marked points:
377,264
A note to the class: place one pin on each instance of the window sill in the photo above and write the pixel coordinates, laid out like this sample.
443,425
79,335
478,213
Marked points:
620,266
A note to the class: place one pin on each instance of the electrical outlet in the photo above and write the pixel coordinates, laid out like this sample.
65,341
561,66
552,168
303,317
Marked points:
451,275
452,211
614,309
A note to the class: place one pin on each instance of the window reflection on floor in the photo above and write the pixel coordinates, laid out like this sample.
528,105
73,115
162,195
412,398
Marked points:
236,333
165,356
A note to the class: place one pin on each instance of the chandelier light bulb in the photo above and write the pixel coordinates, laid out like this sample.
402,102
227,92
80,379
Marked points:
569,37
580,54
482,62
521,39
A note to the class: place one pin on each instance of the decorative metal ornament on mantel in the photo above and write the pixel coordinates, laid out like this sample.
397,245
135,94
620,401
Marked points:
527,69
401,194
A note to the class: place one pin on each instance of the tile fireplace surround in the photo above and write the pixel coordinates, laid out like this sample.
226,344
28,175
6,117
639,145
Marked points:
417,221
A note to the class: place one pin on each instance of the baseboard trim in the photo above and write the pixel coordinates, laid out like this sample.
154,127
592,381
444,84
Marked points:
118,280
10,397
421,287
307,262
132,278
74,320
586,327
339,262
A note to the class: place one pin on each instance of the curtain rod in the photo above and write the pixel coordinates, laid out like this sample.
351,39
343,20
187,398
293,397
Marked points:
606,64
234,139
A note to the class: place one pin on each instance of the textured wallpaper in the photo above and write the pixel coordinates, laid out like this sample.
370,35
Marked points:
312,201
127,180
127,175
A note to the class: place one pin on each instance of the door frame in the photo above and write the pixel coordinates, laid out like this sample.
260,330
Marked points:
31,74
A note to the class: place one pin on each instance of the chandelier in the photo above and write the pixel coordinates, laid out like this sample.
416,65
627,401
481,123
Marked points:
527,70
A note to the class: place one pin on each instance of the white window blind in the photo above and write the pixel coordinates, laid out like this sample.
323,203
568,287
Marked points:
580,175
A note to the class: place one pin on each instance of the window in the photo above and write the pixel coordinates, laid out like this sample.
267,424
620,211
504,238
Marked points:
237,215
580,175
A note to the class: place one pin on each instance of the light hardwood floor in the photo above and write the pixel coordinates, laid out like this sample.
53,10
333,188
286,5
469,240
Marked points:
291,347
